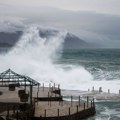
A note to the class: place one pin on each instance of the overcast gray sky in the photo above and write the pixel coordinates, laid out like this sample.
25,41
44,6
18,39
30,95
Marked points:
96,21
102,6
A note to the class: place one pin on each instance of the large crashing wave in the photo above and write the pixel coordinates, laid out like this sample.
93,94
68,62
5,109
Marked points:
34,56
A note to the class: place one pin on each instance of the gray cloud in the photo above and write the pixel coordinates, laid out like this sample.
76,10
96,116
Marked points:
100,29
11,25
100,6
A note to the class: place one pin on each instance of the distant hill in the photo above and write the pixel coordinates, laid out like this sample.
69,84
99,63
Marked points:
74,42
71,41
9,38
5,45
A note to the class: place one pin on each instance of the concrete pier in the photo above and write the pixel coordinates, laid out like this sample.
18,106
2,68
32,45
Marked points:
46,106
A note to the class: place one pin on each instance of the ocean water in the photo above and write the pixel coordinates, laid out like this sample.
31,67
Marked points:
45,60
104,65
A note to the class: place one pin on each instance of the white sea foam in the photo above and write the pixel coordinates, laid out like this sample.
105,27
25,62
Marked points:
34,56
111,112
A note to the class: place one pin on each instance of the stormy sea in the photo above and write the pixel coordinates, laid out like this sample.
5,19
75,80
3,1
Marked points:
46,60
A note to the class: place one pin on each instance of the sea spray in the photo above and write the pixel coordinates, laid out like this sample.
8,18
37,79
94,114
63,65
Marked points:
34,56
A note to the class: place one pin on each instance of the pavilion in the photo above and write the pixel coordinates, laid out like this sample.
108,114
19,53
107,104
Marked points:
11,79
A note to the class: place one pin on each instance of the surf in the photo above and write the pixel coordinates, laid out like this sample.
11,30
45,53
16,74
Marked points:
34,56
